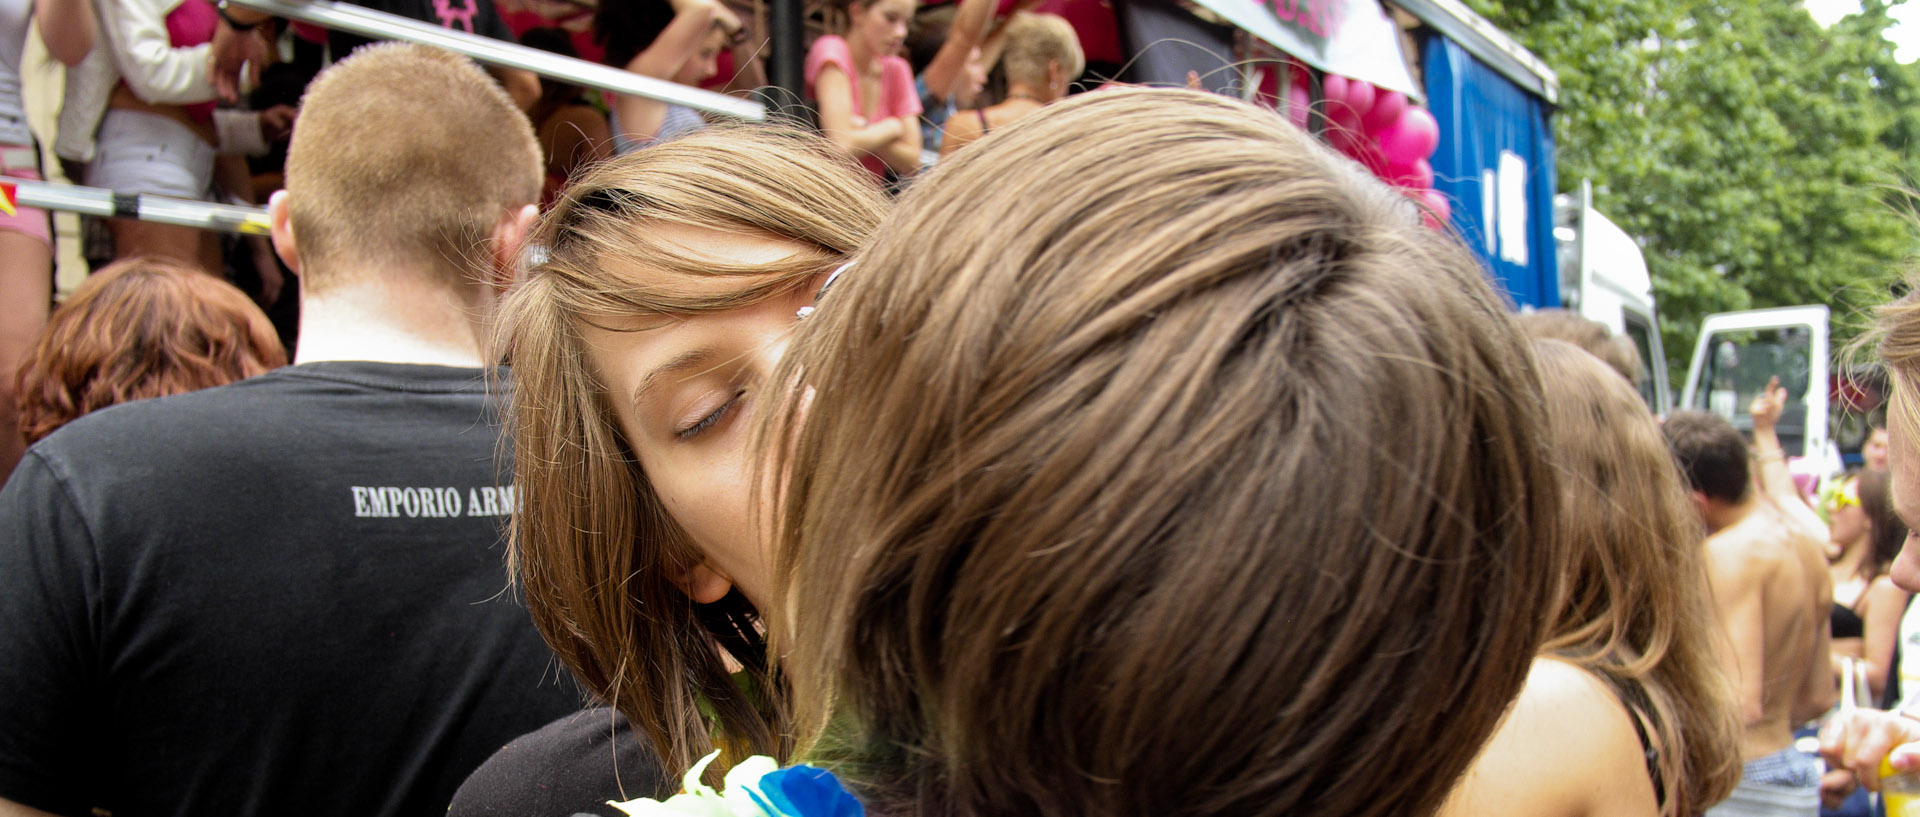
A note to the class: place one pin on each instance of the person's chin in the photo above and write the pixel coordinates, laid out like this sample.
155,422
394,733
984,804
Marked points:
1906,567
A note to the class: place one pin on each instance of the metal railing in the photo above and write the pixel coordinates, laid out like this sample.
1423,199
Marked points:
382,26
94,201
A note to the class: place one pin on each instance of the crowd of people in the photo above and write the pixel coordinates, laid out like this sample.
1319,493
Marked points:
624,454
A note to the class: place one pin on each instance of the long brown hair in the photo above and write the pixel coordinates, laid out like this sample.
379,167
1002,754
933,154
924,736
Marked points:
139,328
1189,469
1886,532
1637,610
592,543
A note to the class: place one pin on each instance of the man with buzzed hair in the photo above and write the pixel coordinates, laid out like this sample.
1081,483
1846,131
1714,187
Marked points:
286,596
1772,591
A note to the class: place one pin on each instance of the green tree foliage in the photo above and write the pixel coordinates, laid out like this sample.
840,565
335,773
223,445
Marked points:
1760,159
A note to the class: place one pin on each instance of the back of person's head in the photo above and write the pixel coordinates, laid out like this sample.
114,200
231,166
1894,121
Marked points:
624,28
1712,454
406,158
1036,40
553,93
1591,336
929,31
593,542
1190,469
139,328
1635,606
1886,531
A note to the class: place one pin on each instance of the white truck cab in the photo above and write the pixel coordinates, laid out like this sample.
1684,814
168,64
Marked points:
1739,351
1603,277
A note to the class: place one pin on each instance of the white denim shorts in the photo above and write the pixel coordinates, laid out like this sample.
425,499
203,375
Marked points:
140,152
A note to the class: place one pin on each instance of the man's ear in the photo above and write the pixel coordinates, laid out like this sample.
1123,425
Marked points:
280,219
509,237
1702,504
704,584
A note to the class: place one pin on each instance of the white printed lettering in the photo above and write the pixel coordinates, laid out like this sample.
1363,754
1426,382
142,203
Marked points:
359,501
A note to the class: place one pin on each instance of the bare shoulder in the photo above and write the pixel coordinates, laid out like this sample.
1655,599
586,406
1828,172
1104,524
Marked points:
1754,545
1534,758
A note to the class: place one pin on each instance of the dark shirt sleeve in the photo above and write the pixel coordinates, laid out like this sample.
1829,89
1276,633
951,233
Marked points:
48,579
570,767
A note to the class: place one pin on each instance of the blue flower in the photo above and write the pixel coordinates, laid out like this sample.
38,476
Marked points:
755,788
808,791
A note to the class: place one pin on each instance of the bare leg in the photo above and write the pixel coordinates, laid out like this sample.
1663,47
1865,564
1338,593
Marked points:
26,292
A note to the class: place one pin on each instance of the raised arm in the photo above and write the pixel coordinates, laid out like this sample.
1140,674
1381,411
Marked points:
693,20
67,27
949,65
1772,475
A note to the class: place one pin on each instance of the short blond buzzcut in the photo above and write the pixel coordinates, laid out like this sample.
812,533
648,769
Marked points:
1033,40
405,157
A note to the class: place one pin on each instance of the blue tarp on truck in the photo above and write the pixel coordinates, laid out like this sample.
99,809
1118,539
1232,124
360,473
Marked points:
1495,164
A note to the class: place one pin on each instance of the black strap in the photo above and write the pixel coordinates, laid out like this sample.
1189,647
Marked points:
1634,698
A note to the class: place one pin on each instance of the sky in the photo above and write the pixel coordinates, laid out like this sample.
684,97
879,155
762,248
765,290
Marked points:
1905,32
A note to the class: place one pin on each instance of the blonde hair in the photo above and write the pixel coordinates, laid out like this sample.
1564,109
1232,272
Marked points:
1897,328
406,157
1033,41
1070,489
1636,609
592,543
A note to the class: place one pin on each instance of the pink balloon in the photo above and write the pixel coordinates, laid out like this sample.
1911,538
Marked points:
1299,105
1360,97
1386,110
1333,89
1415,136
1417,175
1437,205
1342,119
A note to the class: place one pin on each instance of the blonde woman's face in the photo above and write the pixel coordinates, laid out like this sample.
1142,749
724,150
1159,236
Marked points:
682,389
1903,463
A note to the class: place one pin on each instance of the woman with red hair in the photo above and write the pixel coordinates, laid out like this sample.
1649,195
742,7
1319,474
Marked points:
139,328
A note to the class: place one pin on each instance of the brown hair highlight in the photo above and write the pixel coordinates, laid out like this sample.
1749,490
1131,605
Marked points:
1188,469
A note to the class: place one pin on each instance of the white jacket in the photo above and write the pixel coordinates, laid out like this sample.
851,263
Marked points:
135,48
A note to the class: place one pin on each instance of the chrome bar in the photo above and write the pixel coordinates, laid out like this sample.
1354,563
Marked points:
93,201
383,26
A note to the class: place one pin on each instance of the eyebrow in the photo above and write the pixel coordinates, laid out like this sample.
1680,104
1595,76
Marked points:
690,359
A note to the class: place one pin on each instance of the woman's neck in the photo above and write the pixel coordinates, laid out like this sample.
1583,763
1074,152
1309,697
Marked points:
865,62
1852,557
1030,93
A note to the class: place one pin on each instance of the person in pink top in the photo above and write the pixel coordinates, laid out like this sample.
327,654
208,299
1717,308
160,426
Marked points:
868,105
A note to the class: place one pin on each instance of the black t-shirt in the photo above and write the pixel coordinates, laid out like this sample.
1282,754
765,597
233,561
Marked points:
572,766
281,596
471,16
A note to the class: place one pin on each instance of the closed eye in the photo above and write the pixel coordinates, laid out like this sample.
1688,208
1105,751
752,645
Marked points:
713,418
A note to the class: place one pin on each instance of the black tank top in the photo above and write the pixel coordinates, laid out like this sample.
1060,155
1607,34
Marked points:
1846,623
